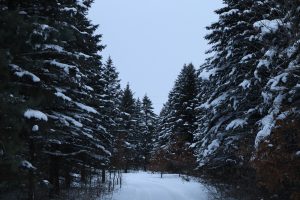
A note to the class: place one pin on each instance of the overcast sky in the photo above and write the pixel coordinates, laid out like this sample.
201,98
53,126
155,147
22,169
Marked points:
150,40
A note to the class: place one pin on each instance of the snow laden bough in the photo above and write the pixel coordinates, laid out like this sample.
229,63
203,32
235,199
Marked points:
18,71
35,114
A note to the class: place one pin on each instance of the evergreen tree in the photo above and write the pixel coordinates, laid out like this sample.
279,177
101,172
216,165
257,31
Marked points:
148,121
12,146
112,95
111,100
179,119
159,160
228,109
277,139
249,87
137,135
126,136
56,75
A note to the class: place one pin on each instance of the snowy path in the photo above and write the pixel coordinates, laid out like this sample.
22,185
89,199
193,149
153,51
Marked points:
147,186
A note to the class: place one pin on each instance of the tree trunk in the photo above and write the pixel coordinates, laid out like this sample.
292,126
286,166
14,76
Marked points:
103,175
67,178
54,175
83,175
31,185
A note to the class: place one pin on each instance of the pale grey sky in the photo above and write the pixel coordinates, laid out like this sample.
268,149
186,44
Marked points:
150,40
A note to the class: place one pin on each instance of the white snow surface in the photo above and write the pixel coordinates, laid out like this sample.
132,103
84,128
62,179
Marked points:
27,165
214,145
51,47
269,121
22,13
88,88
20,73
274,82
147,186
63,96
69,9
35,114
246,58
63,66
236,123
207,73
215,102
230,12
245,84
86,108
268,26
66,119
81,4
35,128
263,63
33,77
291,50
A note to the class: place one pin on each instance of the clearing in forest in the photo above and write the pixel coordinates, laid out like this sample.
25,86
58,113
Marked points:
147,186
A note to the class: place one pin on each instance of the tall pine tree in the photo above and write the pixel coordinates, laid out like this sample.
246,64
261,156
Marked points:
126,137
179,121
148,131
56,75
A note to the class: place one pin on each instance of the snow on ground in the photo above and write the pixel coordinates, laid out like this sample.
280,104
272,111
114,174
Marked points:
147,186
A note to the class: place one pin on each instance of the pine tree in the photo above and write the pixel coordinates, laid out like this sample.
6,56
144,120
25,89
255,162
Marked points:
137,135
228,110
12,146
56,75
277,139
179,119
126,134
112,95
148,129
249,86
111,100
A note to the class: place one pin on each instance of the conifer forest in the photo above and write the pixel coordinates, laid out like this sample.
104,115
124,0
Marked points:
69,129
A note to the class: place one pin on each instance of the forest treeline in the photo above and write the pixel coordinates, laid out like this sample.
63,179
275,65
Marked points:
237,116
63,113
64,117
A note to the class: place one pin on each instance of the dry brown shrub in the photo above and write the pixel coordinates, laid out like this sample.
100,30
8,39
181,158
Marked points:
276,163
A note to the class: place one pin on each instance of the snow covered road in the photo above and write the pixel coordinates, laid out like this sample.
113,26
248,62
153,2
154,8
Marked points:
147,186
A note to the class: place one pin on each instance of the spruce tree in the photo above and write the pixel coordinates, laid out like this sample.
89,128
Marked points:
110,104
137,135
179,119
126,136
277,139
249,88
228,109
57,75
112,95
148,130
12,146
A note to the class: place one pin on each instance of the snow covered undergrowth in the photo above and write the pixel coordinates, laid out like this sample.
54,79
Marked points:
147,186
